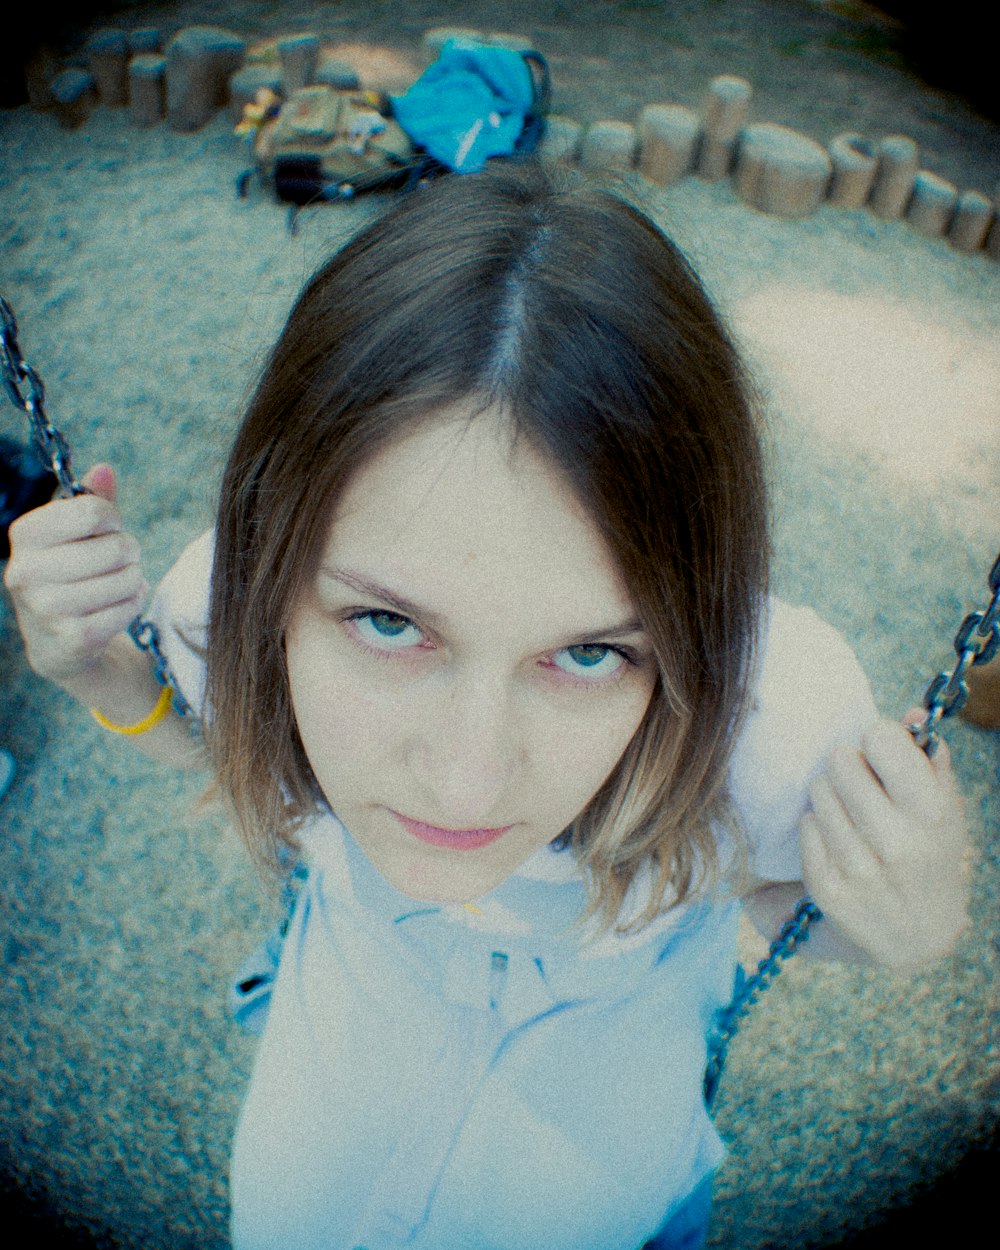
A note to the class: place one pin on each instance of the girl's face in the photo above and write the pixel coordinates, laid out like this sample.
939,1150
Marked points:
466,668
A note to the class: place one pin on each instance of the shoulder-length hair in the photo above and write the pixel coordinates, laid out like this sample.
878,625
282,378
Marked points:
567,307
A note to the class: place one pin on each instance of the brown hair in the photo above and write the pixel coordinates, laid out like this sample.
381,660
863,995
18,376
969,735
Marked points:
570,309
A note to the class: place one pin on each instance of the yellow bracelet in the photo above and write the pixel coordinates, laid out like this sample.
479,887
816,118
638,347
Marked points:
163,705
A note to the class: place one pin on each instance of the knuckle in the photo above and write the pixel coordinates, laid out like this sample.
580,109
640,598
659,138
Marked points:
117,549
15,530
48,603
828,889
820,788
92,637
23,531
883,737
129,582
97,516
121,550
12,577
811,843
131,548
842,763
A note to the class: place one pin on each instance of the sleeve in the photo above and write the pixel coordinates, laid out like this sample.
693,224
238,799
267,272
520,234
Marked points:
811,695
180,613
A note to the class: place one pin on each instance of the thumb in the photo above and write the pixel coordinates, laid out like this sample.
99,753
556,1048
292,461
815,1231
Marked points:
101,480
941,764
940,761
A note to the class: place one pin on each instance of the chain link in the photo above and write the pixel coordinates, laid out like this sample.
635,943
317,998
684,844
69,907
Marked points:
146,637
25,391
976,642
794,932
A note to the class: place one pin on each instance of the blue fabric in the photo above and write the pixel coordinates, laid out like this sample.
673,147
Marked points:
468,106
687,1228
431,1078
250,992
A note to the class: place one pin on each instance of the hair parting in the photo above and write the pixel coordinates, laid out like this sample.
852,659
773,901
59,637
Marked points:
569,310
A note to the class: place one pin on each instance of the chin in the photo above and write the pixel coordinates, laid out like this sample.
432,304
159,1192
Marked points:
428,881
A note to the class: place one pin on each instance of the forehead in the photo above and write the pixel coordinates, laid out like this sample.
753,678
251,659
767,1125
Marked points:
460,516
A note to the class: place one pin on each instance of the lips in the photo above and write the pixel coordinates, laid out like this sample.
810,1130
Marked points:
451,839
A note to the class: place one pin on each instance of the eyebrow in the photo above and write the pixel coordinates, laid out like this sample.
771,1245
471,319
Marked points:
407,607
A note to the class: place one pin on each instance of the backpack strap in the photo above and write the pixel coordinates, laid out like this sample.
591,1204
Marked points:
533,130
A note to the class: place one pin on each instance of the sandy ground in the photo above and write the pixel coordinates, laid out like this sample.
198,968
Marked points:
146,294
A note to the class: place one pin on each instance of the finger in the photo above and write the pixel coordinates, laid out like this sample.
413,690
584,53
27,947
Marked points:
90,557
833,825
37,577
950,797
856,786
823,875
940,762
64,520
902,768
84,598
914,717
100,627
101,480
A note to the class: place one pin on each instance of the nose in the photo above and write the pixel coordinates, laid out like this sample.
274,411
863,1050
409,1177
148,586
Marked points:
468,751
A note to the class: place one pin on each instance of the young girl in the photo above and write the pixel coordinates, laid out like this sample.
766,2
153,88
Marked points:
483,636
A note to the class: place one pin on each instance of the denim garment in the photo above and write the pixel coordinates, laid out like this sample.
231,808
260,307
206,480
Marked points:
687,1228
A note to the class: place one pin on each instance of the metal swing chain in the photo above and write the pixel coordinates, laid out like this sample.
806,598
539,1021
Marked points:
794,931
976,642
25,391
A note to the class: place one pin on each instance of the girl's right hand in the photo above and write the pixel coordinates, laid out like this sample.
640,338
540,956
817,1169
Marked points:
76,581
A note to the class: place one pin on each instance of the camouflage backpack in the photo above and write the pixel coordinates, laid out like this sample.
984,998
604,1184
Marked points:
475,102
324,144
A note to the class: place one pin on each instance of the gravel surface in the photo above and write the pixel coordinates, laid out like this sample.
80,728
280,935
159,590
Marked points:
146,293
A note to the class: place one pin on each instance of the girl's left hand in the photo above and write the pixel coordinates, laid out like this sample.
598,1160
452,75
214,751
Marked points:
885,848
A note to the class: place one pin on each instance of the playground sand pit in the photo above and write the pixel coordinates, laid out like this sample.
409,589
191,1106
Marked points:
147,294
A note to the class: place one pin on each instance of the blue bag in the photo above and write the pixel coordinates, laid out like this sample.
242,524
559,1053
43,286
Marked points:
475,102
